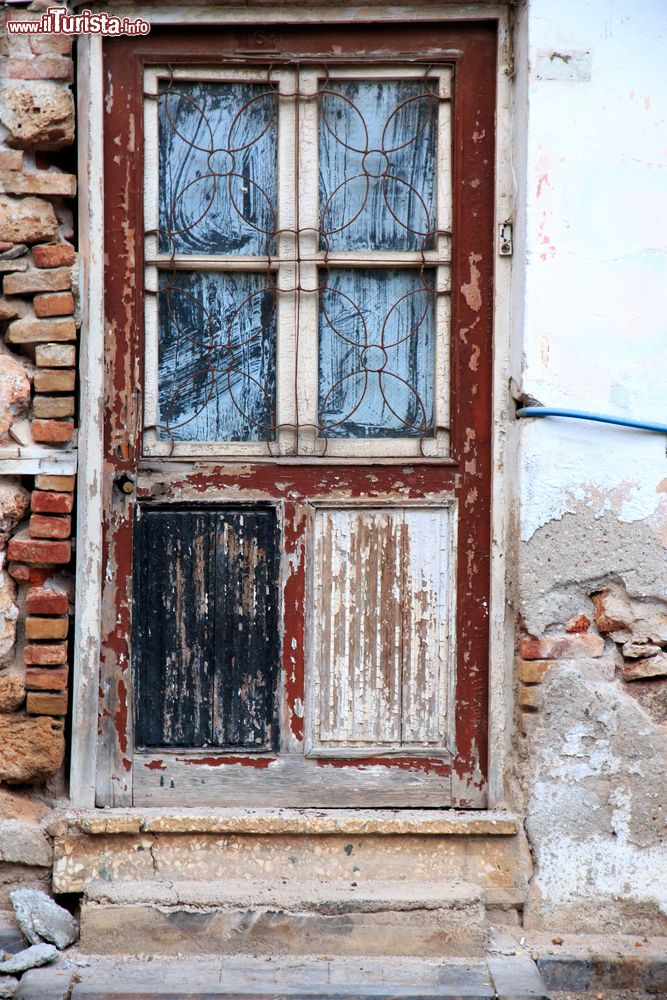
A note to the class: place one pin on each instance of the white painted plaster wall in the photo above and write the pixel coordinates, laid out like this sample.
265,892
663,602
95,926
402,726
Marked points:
596,257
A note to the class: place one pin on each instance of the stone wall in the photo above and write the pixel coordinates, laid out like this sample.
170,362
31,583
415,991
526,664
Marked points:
38,328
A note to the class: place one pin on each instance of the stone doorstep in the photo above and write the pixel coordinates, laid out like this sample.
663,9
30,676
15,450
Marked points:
261,917
426,822
309,978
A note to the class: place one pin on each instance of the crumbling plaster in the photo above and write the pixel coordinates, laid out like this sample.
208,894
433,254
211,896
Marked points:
593,503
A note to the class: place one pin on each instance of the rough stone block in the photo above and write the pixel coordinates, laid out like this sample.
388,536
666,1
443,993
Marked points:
55,355
12,691
53,304
14,392
39,117
46,628
42,526
46,380
53,255
613,612
25,220
8,986
29,958
11,159
22,548
21,432
46,678
51,502
31,749
57,279
8,613
53,406
567,647
650,666
57,484
53,431
47,183
19,572
42,919
52,654
12,308
24,843
40,331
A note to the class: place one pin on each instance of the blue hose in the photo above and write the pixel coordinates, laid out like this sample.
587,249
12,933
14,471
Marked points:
601,418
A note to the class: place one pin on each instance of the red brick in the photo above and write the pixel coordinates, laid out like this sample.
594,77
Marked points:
46,628
56,45
533,671
45,703
38,575
59,484
33,550
581,623
570,647
46,678
53,255
530,697
39,68
41,331
55,304
53,431
46,601
50,527
52,406
55,380
51,654
47,183
48,502
55,355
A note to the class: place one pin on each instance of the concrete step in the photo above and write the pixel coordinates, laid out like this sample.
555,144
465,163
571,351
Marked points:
311,917
487,848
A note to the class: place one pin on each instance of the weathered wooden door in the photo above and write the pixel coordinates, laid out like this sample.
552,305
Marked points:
298,430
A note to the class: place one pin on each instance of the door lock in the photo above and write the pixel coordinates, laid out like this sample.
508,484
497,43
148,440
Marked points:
124,483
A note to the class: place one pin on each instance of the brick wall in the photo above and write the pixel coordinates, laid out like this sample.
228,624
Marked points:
38,325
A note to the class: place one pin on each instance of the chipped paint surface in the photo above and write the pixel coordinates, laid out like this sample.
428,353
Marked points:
382,601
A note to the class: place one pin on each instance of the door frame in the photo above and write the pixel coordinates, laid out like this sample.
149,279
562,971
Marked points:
90,569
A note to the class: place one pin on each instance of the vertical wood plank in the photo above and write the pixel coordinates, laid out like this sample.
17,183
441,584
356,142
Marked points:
357,617
427,593
246,635
173,640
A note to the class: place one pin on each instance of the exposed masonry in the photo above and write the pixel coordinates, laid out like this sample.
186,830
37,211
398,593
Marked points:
37,404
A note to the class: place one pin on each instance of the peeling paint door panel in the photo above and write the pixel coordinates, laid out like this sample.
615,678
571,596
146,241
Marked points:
205,647
299,383
382,623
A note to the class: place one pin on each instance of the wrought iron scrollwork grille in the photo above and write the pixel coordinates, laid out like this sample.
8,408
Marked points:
227,262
